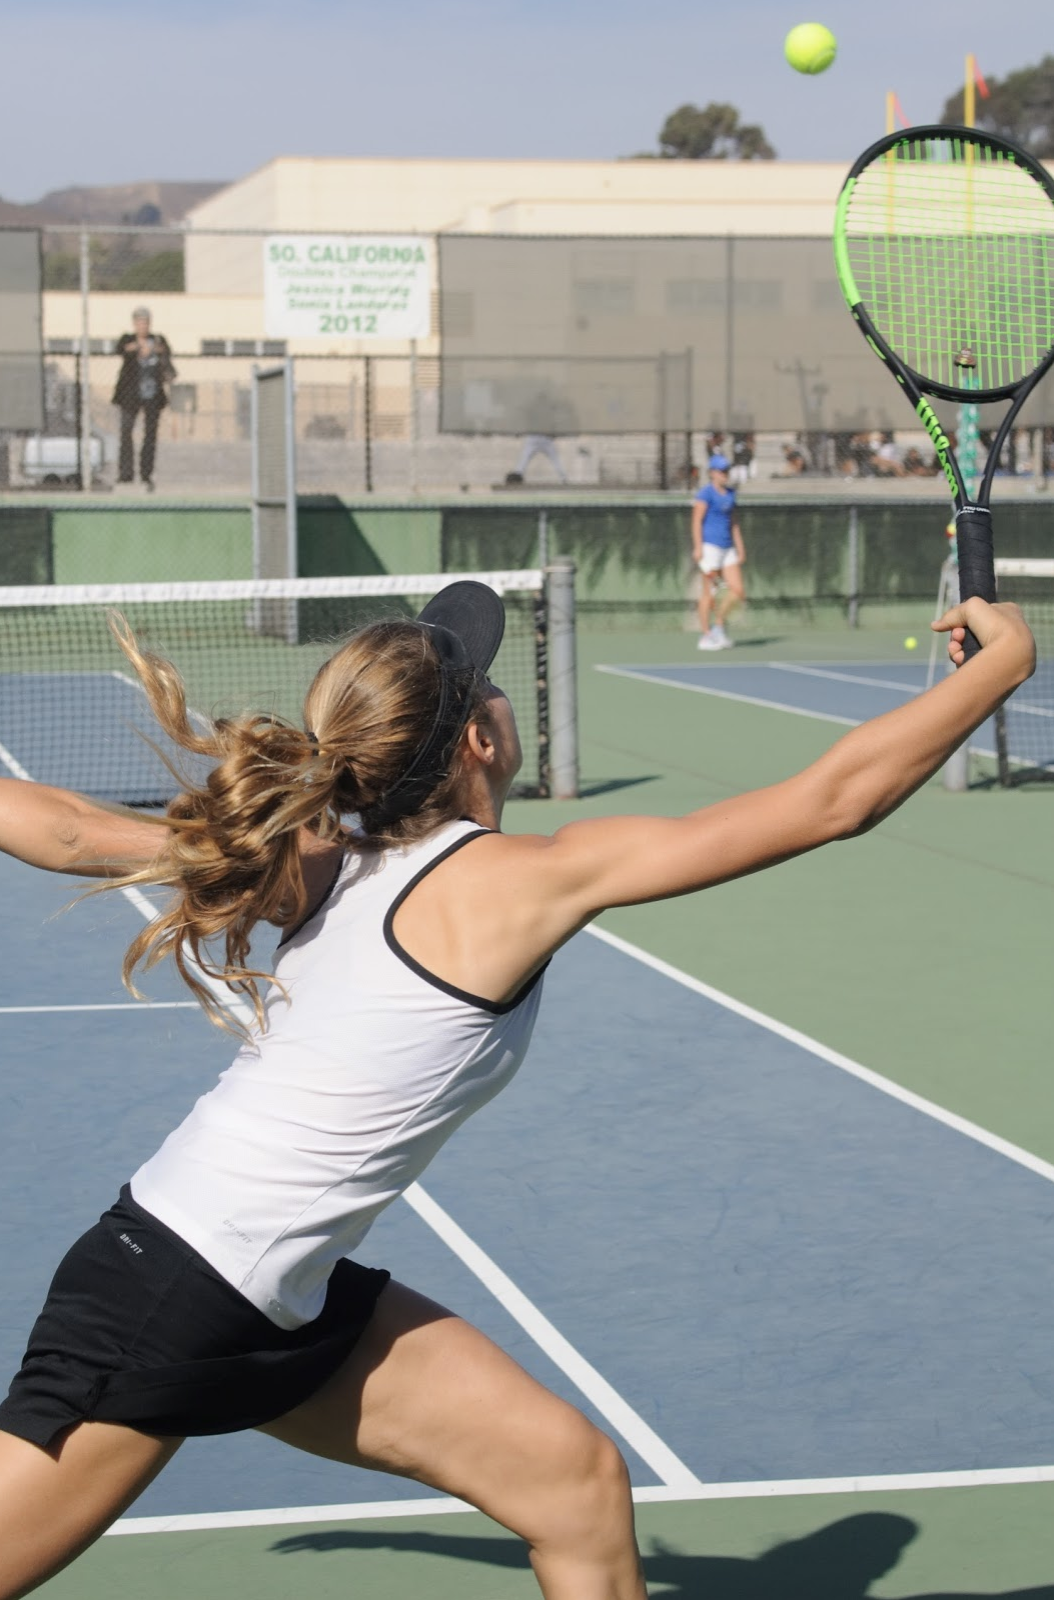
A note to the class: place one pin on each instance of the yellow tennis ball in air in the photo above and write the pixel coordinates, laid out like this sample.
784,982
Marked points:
910,643
810,47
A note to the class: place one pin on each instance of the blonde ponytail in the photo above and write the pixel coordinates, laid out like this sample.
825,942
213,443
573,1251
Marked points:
231,849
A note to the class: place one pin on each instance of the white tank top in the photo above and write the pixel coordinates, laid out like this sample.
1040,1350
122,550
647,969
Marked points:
324,1119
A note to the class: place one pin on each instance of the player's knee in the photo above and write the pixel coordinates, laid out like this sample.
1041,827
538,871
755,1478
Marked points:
593,1490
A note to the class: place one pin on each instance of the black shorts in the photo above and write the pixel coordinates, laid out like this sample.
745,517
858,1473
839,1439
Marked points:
138,1328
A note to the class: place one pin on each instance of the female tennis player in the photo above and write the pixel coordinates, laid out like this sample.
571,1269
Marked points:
219,1293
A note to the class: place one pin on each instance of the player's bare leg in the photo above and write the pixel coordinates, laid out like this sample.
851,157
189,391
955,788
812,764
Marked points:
735,593
706,601
54,1503
429,1397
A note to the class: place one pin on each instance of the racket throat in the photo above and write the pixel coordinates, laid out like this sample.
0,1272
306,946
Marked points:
942,447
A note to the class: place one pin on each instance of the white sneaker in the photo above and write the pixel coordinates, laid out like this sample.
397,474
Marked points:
723,641
709,641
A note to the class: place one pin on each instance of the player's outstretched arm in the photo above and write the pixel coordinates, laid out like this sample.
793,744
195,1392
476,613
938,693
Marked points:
589,866
65,832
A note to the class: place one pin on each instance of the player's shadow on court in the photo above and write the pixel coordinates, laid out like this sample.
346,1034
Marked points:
839,1562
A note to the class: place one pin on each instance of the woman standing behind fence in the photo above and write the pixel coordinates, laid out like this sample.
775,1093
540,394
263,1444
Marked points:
146,369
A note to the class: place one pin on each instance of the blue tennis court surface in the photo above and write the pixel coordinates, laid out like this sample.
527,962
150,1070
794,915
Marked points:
89,731
780,1270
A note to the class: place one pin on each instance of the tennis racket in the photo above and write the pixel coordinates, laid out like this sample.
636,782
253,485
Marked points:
944,247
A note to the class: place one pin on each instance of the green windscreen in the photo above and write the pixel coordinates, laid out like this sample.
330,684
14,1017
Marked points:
951,245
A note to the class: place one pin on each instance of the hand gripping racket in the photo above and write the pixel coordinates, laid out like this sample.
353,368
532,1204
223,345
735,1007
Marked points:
944,247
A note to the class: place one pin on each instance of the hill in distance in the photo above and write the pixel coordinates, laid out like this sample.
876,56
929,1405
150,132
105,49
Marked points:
147,204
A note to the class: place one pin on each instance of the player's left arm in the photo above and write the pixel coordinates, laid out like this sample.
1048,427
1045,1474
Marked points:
65,832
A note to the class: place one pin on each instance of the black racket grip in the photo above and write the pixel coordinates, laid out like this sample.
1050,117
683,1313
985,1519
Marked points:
973,540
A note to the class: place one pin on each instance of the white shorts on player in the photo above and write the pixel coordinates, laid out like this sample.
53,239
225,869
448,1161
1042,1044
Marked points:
716,557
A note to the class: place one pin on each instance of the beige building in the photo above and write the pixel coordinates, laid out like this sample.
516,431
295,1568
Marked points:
621,197
641,199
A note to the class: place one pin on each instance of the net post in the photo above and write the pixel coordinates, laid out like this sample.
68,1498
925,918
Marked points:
563,684
853,565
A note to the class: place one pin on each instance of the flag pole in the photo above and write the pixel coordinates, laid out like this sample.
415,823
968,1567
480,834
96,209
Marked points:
970,93
969,416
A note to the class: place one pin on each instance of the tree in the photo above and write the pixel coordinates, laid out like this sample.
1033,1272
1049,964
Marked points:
1020,107
713,133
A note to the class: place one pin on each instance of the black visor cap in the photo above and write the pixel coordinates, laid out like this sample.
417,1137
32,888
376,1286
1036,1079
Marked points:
474,615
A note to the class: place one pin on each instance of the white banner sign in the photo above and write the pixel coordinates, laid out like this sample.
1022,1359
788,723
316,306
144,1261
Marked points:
367,286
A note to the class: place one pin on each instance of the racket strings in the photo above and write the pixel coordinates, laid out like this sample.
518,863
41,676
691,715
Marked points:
952,248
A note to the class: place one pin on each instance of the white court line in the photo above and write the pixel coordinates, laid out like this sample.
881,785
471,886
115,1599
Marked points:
636,1432
896,1091
844,677
112,1005
647,675
13,766
726,694
442,1505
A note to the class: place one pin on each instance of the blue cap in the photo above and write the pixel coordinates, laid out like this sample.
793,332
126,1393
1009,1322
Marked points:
717,464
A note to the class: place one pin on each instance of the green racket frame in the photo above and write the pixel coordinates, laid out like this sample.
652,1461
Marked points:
973,518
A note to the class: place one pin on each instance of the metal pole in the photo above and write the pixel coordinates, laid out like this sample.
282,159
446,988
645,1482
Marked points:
367,420
413,416
853,563
543,539
292,619
254,488
1039,458
689,417
291,551
563,682
78,415
84,374
664,472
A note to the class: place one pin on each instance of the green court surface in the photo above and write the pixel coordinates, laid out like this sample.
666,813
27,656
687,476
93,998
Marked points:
965,1544
921,951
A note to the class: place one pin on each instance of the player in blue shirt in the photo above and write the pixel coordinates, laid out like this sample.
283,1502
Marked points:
717,549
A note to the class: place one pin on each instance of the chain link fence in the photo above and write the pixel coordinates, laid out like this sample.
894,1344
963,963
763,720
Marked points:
452,411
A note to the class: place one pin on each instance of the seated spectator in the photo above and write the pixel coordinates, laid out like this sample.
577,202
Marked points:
914,467
853,454
793,462
742,458
885,458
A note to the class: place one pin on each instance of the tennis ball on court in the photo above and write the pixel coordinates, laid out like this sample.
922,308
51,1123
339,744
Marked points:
810,47
910,643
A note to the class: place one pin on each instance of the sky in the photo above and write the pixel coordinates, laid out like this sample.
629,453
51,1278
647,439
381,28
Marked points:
107,91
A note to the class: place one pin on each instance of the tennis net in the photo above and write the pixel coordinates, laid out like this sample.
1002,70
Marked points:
1025,725
72,712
